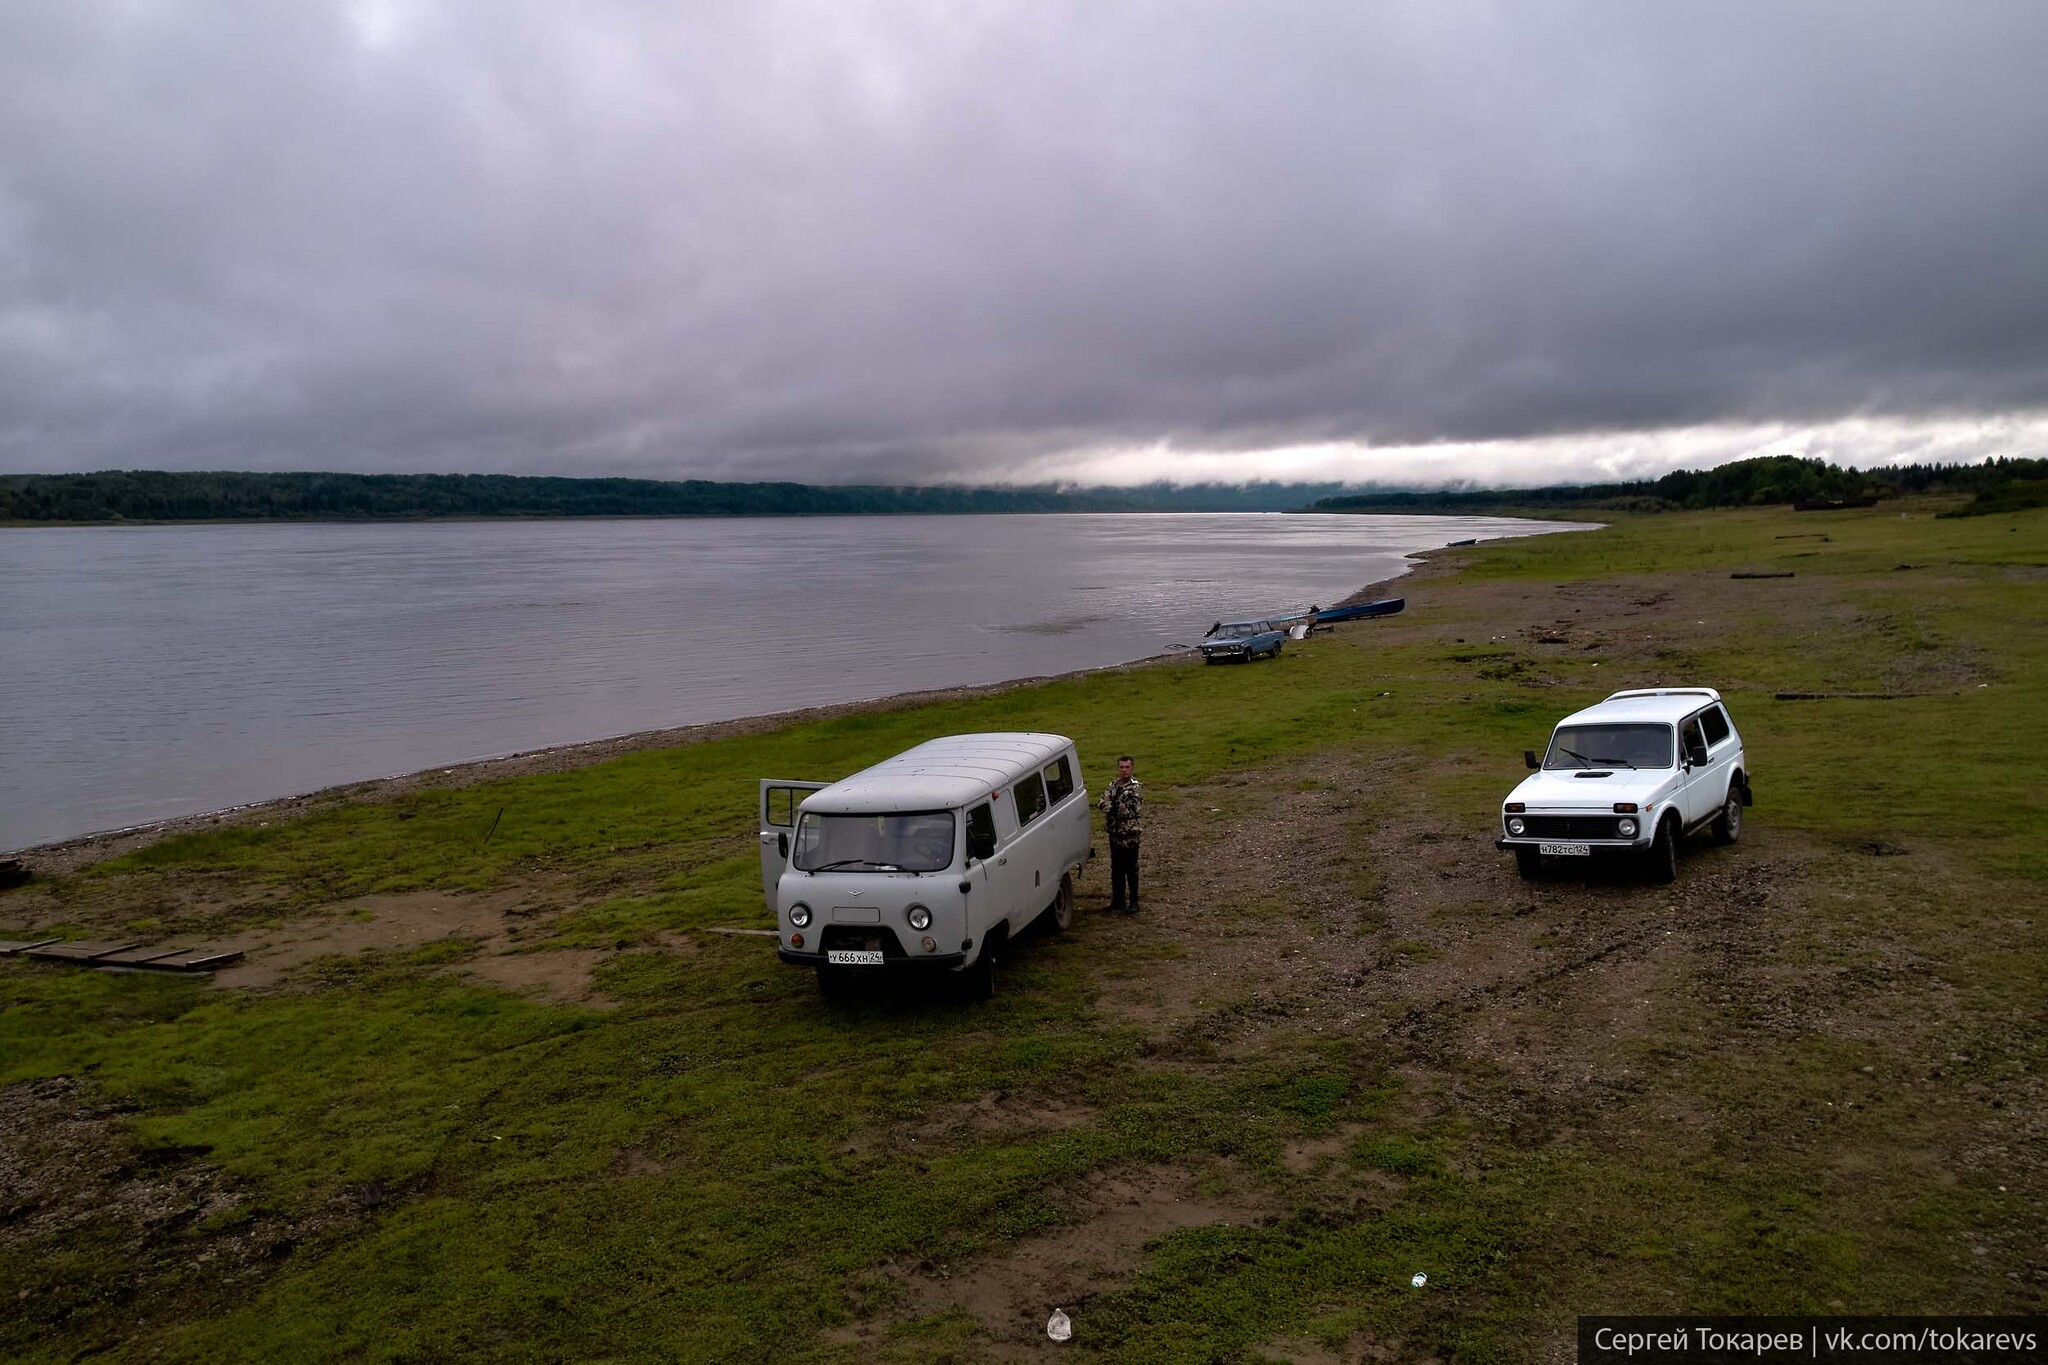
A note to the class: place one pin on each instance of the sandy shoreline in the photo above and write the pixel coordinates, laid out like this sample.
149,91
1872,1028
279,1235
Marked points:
69,855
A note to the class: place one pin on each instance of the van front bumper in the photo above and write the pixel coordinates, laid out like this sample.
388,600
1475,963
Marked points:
908,962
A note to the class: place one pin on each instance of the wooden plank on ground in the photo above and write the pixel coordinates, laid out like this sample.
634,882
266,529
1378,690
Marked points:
125,956
201,962
143,957
80,950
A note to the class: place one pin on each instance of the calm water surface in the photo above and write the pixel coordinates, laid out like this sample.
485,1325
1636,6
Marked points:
156,671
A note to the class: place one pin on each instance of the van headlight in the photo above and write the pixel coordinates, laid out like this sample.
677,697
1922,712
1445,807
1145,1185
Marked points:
800,915
920,918
1625,828
1516,826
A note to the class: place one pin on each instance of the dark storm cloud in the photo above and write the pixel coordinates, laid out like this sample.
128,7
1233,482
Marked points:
899,240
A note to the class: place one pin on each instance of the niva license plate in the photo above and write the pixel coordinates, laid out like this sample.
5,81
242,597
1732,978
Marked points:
855,957
1565,850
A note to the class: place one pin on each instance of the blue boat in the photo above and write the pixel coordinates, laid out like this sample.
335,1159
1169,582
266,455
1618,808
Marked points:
1386,606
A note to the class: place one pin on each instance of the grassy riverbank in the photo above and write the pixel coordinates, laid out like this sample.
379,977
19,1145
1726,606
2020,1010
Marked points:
492,1087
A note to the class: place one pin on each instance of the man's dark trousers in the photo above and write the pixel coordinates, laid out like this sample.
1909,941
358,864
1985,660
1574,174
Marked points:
1123,877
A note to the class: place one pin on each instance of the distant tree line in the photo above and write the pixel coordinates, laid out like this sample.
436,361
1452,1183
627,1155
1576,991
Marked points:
2019,495
155,495
2000,485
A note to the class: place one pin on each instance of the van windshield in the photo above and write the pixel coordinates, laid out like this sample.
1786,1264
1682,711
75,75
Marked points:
913,841
1610,746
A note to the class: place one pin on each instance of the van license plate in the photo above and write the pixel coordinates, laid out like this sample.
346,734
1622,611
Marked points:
855,957
1565,850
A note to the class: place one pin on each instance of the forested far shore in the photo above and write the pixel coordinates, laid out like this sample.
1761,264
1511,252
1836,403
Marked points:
170,496
155,495
160,495
2000,485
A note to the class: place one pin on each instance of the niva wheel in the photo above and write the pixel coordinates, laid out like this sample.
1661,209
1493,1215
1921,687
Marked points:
1662,859
1728,824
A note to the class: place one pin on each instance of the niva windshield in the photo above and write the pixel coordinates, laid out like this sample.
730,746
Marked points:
1610,746
916,841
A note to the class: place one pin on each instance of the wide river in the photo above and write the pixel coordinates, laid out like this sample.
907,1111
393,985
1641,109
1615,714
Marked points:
154,671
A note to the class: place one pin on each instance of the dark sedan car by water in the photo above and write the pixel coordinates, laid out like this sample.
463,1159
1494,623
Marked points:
1242,641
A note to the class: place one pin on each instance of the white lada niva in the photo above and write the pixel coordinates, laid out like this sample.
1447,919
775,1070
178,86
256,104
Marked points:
1632,775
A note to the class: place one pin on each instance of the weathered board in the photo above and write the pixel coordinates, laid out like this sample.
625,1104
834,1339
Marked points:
125,956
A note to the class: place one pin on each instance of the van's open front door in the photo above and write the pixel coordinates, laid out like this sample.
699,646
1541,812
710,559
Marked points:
779,800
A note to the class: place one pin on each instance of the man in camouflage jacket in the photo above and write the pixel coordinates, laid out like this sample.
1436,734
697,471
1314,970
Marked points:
1123,811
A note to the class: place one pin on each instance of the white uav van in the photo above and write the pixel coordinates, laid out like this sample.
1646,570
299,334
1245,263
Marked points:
931,860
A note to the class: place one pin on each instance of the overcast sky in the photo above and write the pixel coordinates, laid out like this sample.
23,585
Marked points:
1002,242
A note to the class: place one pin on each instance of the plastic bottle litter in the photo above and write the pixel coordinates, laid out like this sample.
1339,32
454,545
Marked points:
1059,1326
1419,1280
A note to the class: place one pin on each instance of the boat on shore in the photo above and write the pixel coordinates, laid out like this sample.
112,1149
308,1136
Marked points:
1300,623
1386,606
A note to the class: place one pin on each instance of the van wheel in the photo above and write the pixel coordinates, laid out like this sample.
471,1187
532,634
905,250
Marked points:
1728,824
978,982
1529,863
1661,862
836,987
1059,916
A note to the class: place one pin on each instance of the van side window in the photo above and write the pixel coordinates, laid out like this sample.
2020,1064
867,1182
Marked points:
981,832
1715,723
782,806
1059,780
1030,792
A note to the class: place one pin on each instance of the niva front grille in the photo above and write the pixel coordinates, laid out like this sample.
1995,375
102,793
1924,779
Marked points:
1570,826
